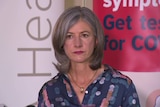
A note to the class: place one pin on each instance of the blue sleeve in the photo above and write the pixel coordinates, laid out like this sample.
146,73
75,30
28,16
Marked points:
43,98
131,97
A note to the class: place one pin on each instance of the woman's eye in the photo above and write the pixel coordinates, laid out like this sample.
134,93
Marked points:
69,36
85,35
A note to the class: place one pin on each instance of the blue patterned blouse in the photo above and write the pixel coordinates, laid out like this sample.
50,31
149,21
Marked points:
110,89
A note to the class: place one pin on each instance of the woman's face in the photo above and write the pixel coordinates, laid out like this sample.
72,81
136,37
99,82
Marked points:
79,43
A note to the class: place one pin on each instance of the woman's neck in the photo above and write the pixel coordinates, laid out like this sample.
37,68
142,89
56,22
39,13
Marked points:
81,70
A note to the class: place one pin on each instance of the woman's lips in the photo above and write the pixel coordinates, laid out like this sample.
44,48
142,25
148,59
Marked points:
78,52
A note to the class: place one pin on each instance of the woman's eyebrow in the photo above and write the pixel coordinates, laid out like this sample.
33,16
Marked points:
85,32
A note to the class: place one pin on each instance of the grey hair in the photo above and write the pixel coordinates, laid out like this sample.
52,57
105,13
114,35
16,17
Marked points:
66,20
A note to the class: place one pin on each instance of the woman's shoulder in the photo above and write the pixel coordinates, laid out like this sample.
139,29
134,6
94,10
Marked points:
55,81
51,84
117,75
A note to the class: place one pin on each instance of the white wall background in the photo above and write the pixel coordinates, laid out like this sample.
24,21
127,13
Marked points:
21,73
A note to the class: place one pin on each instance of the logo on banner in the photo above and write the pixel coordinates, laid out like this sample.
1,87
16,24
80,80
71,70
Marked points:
34,32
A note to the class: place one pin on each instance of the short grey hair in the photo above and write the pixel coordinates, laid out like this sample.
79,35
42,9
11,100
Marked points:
66,20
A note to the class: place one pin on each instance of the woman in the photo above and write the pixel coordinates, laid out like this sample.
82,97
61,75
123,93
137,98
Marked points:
83,81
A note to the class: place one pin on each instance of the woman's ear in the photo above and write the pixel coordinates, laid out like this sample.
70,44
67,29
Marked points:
96,41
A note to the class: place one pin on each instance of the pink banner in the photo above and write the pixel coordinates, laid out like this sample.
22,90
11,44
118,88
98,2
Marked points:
132,33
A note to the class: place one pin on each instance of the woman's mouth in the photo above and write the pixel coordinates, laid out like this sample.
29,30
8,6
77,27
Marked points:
78,52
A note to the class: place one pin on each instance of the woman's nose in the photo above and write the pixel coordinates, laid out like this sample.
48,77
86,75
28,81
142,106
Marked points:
77,42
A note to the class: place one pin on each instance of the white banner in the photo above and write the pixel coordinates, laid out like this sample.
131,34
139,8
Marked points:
26,54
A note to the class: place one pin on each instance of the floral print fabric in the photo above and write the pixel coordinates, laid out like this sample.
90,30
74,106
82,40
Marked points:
110,89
